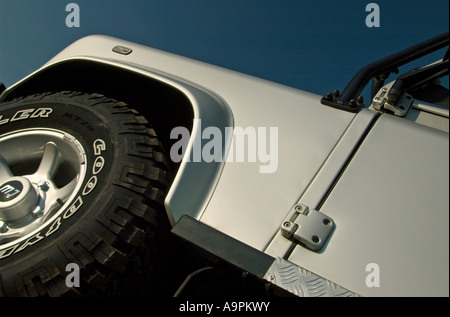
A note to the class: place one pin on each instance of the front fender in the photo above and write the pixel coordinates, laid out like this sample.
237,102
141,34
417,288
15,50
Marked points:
66,70
233,197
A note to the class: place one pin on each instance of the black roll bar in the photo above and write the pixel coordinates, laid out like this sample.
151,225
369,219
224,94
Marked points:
350,99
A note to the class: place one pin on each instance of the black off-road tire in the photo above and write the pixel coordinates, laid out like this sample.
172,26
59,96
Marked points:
110,225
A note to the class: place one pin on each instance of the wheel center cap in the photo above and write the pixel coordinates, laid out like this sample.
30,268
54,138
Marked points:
10,190
18,198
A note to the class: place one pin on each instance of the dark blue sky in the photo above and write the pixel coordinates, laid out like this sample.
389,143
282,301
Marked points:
311,45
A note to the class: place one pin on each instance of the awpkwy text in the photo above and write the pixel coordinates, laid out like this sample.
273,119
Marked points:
208,146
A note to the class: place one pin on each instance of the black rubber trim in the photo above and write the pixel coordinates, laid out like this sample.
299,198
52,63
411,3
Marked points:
223,247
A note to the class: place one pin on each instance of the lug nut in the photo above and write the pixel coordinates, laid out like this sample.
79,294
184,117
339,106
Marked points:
43,185
3,227
37,212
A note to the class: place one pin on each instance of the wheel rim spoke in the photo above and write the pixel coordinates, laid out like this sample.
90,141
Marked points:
53,163
5,172
49,163
64,192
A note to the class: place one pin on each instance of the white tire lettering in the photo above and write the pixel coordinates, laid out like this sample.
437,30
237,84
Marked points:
8,252
22,115
72,209
98,165
99,147
27,114
42,113
90,185
34,239
54,227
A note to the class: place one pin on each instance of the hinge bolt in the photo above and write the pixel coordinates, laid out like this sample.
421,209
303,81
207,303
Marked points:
328,96
360,100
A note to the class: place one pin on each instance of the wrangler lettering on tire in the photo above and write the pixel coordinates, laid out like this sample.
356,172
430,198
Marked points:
82,180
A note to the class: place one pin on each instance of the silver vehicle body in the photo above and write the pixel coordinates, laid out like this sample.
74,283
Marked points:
384,180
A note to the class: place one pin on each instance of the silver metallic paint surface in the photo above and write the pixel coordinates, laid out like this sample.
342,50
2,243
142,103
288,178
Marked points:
391,207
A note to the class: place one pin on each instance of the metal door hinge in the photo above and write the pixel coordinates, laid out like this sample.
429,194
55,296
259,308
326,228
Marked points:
309,227
400,108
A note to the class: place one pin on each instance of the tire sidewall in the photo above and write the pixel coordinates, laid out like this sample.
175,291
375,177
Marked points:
96,132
